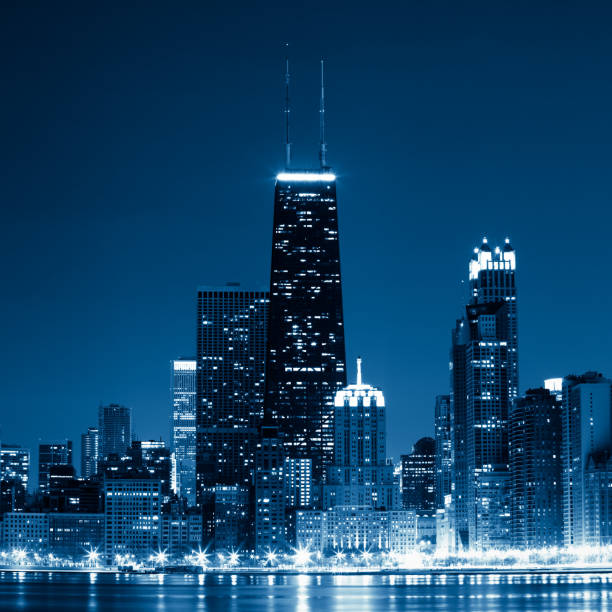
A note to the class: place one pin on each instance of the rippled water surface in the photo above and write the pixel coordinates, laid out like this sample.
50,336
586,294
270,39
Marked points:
303,593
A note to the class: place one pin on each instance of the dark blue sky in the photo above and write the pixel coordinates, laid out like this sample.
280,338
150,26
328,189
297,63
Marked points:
139,148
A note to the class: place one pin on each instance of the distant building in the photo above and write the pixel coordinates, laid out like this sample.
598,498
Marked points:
90,452
269,492
360,474
484,377
132,516
587,438
26,531
598,499
357,528
156,459
535,465
184,426
418,477
115,429
232,528
181,533
231,344
444,456
72,535
67,493
14,477
57,453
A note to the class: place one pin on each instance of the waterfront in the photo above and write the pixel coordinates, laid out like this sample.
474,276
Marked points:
49,590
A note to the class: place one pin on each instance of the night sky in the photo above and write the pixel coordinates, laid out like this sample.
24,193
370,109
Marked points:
139,149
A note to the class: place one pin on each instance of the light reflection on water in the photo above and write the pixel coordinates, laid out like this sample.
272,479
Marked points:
238,592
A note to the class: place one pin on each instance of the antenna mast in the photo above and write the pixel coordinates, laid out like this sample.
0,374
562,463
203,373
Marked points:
323,147
287,111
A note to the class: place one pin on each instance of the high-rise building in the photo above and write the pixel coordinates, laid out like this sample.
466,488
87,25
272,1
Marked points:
484,375
14,477
270,527
360,474
535,466
231,340
305,363
56,453
90,452
184,426
232,515
419,477
153,457
587,441
115,426
444,457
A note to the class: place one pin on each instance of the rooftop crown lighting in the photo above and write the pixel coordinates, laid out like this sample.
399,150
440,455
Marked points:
307,177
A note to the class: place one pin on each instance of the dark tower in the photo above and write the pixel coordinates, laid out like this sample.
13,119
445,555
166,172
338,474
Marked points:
305,360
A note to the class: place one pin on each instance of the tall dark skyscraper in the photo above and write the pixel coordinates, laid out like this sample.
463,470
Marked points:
443,449
535,465
56,453
484,362
418,477
115,427
231,345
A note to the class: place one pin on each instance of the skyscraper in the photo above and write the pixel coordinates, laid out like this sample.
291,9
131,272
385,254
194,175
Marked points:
14,477
56,453
231,341
535,465
90,452
184,426
484,362
444,459
587,444
360,474
419,477
115,425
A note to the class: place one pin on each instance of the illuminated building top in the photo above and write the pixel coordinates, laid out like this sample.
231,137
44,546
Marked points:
306,177
485,259
359,393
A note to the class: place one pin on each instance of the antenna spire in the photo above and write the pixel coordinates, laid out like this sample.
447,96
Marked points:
323,147
359,383
287,111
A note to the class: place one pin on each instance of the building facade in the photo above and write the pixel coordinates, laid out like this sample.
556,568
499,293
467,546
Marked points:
587,435
305,363
14,477
360,474
419,477
184,426
231,341
535,465
484,374
444,457
115,430
90,452
55,453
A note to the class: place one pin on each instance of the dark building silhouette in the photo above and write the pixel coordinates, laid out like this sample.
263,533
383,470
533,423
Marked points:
418,477
56,453
444,460
231,345
306,362
535,466
484,378
115,430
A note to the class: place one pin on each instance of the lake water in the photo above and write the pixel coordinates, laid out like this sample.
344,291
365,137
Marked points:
46,590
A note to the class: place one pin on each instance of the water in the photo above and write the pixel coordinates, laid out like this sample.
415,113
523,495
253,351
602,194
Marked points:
47,590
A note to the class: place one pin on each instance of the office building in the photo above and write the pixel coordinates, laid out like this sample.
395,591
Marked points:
14,477
484,377
184,426
231,340
232,516
26,531
535,465
90,452
360,475
72,535
56,453
444,457
587,439
418,477
181,532
132,515
270,528
115,430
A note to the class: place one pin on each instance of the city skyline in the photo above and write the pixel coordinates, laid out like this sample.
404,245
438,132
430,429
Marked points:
395,350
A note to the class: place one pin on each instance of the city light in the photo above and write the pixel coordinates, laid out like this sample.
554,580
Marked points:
19,556
233,559
271,557
301,556
93,556
307,177
160,557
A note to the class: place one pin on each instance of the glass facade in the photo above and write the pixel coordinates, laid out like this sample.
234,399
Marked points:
115,425
184,426
90,452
